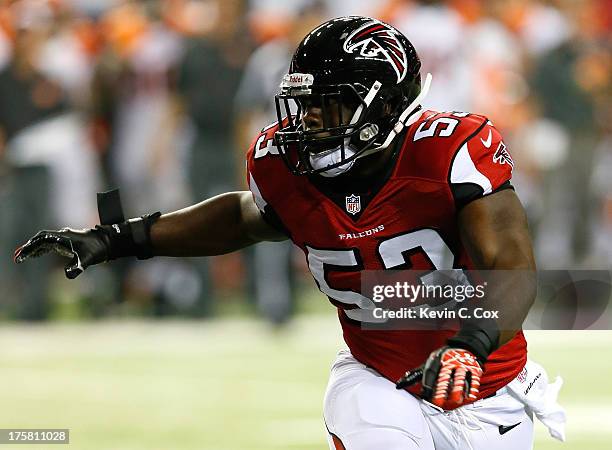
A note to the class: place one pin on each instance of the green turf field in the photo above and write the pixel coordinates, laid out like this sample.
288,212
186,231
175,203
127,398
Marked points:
229,384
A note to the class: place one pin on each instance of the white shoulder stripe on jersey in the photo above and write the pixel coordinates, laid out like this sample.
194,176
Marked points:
464,171
259,200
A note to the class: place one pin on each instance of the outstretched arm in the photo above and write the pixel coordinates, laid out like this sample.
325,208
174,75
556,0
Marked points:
216,226
219,225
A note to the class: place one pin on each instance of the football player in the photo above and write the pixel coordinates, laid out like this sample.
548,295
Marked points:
360,177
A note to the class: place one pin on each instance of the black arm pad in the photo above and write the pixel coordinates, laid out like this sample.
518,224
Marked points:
481,338
109,207
124,238
130,238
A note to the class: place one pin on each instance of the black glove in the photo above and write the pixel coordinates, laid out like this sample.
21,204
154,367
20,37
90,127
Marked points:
115,238
92,246
84,248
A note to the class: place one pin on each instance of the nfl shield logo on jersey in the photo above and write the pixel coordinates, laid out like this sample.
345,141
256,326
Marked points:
353,204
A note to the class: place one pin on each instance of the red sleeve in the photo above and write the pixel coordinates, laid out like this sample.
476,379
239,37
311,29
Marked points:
262,146
481,165
259,156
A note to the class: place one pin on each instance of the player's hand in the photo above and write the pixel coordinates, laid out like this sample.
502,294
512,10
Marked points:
449,377
83,247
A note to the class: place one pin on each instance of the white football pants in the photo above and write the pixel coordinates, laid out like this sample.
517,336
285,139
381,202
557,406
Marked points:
364,411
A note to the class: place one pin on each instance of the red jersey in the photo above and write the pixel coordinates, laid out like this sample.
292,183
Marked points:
408,221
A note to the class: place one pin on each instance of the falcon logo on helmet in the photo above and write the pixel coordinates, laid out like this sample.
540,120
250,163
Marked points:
377,40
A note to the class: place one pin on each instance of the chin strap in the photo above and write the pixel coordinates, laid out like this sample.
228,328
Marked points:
407,118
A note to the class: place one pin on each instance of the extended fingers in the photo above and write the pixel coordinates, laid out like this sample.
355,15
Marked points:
460,386
44,242
440,394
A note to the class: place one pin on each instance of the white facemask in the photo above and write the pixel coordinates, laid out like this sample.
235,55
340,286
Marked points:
330,157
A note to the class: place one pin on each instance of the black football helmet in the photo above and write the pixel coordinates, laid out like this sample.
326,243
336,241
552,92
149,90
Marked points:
364,76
